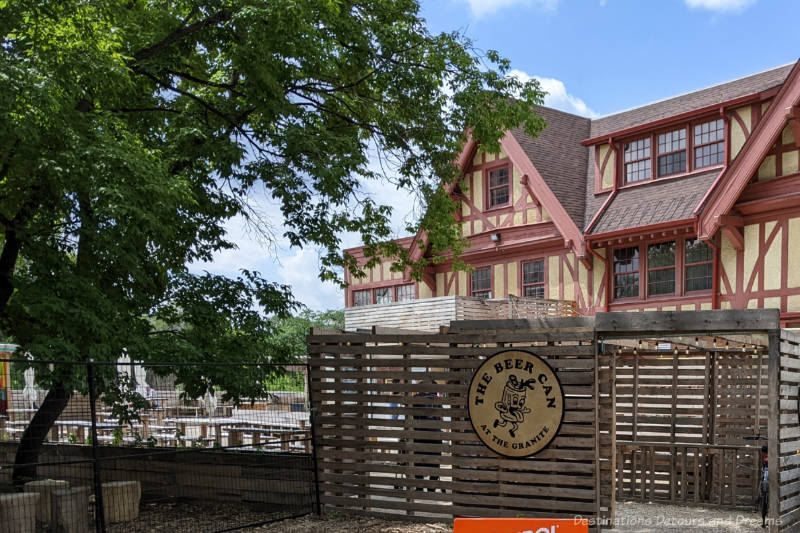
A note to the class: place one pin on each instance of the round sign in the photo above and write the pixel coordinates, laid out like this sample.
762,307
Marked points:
516,403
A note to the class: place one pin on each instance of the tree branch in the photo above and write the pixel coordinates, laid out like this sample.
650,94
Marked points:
181,33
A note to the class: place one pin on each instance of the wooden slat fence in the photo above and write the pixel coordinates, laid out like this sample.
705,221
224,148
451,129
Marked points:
789,432
681,418
384,449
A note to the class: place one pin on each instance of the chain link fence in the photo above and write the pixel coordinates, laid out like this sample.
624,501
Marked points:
130,447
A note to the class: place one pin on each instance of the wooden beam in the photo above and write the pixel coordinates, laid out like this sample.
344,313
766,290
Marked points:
683,322
586,262
735,236
794,122
730,220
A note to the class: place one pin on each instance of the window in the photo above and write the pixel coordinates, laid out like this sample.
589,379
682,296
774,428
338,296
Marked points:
709,143
661,268
672,152
498,187
637,160
533,279
626,272
482,282
699,257
384,295
406,293
361,298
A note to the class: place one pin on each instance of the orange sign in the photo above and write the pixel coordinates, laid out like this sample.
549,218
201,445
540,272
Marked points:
521,525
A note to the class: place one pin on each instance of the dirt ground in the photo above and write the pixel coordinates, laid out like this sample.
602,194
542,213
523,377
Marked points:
631,518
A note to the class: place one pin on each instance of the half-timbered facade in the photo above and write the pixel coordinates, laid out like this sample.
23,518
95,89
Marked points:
690,203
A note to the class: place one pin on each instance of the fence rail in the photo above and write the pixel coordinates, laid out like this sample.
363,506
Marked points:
118,456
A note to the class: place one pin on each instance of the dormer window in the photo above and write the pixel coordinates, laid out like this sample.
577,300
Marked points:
637,160
709,143
672,152
681,149
498,187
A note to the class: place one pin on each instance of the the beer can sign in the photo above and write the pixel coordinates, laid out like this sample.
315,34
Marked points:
516,403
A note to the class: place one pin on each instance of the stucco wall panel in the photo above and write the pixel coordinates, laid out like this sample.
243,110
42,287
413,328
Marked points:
513,279
793,266
728,263
553,269
499,284
737,134
772,260
750,252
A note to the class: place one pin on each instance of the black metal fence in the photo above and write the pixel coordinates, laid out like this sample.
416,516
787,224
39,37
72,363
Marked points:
128,447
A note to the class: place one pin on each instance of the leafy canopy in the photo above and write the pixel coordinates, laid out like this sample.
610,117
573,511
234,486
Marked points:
131,131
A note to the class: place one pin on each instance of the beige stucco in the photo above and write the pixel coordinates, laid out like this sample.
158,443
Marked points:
688,307
789,162
772,303
545,215
793,303
705,306
490,157
772,259
478,159
513,284
725,305
583,284
793,264
440,285
750,253
553,265
787,135
532,216
425,291
767,169
737,135
477,192
569,282
728,261
499,283
607,178
463,283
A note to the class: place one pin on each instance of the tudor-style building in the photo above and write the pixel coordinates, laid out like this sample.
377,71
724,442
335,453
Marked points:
685,204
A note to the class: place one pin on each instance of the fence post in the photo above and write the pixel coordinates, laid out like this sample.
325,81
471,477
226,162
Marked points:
99,511
313,440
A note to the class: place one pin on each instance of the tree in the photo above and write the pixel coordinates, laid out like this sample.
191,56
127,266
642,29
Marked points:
130,132
288,338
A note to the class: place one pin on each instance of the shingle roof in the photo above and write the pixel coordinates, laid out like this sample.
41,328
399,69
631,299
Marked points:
690,101
654,203
559,157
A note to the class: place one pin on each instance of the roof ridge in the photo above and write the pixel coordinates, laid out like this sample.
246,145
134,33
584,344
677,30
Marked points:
601,117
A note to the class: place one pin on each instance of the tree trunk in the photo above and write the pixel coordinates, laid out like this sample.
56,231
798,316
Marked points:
33,438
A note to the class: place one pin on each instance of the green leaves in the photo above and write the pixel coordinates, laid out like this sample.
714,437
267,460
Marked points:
131,132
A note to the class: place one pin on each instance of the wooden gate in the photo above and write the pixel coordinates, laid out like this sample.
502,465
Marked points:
393,437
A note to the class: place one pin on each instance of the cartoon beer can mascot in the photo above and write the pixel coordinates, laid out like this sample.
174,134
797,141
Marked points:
511,408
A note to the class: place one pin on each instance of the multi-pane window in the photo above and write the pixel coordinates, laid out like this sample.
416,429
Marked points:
383,295
361,298
626,272
405,293
498,187
698,265
672,152
482,282
661,268
533,279
637,160
709,143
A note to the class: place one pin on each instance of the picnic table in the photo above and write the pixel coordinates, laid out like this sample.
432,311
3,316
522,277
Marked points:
12,413
80,428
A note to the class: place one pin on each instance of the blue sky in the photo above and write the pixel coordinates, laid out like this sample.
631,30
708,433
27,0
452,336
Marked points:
594,57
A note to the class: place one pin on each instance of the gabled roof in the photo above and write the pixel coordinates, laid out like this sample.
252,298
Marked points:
737,175
557,154
694,100
659,202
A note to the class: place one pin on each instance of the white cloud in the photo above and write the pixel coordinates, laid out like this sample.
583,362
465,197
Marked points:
557,95
480,8
720,5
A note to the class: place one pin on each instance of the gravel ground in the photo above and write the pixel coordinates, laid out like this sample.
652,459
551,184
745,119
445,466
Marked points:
631,518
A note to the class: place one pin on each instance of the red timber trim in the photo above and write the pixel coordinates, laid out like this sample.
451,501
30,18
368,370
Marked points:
746,289
682,117
738,174
542,192
600,168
